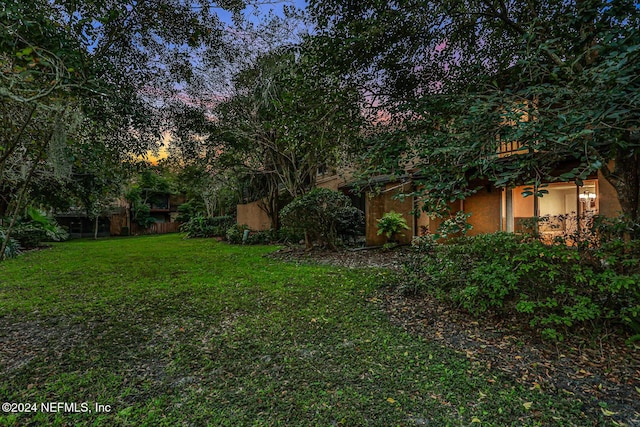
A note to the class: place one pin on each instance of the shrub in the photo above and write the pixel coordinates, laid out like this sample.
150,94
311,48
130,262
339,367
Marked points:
455,226
350,223
556,287
391,224
13,247
235,233
53,231
35,228
318,214
260,238
608,230
28,235
286,235
187,211
199,226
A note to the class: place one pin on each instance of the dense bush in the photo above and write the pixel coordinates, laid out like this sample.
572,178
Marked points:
35,227
189,210
605,230
235,233
28,235
286,235
557,287
350,223
199,226
319,214
260,238
140,209
13,247
456,225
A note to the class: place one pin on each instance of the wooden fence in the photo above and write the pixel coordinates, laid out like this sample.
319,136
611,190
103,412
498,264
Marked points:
119,225
156,228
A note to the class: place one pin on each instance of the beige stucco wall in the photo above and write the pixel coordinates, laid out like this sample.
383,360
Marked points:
376,205
608,203
254,217
484,207
333,181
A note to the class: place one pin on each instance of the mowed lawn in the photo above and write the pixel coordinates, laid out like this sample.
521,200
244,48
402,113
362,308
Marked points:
168,331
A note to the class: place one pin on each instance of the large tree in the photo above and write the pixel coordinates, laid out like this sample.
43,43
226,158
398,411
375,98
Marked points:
91,72
285,122
462,77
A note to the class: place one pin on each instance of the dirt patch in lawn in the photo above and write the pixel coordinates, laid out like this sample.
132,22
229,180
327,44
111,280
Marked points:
21,341
602,372
351,258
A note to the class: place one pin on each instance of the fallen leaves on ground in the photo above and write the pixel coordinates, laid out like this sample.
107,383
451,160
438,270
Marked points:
603,372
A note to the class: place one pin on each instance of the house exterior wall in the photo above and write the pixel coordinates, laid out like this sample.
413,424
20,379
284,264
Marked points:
376,205
484,207
608,203
332,182
435,222
422,223
490,214
487,208
254,217
117,222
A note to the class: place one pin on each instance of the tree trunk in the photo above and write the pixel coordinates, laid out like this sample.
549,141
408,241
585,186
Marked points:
308,243
23,191
16,140
18,206
95,229
269,205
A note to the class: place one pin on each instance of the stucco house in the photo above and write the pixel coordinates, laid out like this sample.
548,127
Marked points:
565,208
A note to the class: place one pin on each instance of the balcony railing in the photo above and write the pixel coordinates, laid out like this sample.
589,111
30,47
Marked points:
510,148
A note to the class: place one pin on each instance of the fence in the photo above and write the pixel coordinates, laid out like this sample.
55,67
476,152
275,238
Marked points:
156,228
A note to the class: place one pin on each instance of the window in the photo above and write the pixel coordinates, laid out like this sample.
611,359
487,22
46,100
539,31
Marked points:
564,210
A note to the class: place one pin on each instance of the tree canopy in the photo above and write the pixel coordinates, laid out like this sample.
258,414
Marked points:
92,77
285,122
462,77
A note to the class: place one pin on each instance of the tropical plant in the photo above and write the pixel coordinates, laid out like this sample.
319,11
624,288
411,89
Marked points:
12,248
391,225
34,227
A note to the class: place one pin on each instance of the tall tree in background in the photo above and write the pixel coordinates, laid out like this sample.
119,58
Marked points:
44,73
461,77
286,121
104,67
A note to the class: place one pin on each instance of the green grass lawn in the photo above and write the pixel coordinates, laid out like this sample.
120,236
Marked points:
168,331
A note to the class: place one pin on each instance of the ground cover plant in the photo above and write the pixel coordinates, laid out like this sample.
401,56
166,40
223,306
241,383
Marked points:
557,288
200,226
172,331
